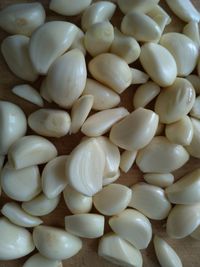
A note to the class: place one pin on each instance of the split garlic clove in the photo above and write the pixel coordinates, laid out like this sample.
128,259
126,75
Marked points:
78,42
193,147
44,91
161,156
112,71
15,242
13,125
39,260
159,179
112,179
66,78
195,111
55,243
15,52
142,6
196,233
159,64
112,199
195,81
16,215
102,121
31,150
127,160
132,226
191,30
145,123
50,122
138,76
23,18
165,253
60,34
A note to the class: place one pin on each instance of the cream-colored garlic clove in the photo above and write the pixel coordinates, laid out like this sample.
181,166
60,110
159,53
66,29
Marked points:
59,34
159,179
23,18
142,6
145,93
127,160
16,215
106,67
78,42
161,156
15,51
195,81
39,260
44,91
145,124
195,111
104,98
165,253
196,233
15,242
13,125
160,129
194,147
154,205
50,122
112,179
97,12
28,93
175,101
159,64
118,251
192,31
31,150
132,226
102,121
138,76
55,243
112,199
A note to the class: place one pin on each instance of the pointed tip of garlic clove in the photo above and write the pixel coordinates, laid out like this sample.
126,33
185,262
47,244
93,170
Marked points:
39,260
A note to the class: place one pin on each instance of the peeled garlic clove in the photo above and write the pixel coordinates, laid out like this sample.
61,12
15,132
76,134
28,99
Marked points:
39,260
127,160
195,111
112,199
60,34
112,179
16,215
23,18
118,251
159,179
106,67
195,81
101,122
142,6
196,233
55,243
132,226
15,51
29,93
192,31
44,91
165,253
12,124
154,205
138,76
193,147
50,122
78,42
31,150
15,242
145,124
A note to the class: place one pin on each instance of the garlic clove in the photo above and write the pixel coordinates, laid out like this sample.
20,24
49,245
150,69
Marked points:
127,160
195,81
193,147
195,111
138,76
112,179
159,179
196,233
142,6
78,42
191,30
44,91
39,260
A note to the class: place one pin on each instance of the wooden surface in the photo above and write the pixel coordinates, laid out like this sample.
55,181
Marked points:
188,249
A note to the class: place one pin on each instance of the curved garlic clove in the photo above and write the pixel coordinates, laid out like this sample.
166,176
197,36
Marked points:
160,128
44,91
112,199
159,179
55,243
78,42
159,64
132,226
112,179
142,6
145,124
31,150
127,160
106,67
59,34
138,76
154,205
193,147
23,18
16,215
196,233
15,51
195,81
195,111
191,30
101,122
13,125
39,260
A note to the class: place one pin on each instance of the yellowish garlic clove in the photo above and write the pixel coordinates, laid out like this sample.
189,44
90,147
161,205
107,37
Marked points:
195,111
196,233
142,6
127,160
193,147
78,42
195,81
138,76
112,179
191,30
39,260
159,179
44,91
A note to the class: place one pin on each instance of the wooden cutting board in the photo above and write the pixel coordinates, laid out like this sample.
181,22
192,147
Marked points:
188,249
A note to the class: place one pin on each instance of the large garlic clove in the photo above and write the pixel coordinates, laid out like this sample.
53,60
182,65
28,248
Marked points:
15,51
127,160
196,233
102,121
112,199
12,124
112,71
159,64
112,179
159,179
191,30
55,243
193,147
85,167
39,260
44,91
195,111
78,42
132,226
15,242
49,42
161,156
142,6
23,18
50,122
138,76
144,123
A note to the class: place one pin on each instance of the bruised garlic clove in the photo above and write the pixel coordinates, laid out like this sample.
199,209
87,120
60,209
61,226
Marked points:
142,6
23,18
39,260
191,30
112,179
193,147
44,91
78,42
31,150
106,67
195,111
159,179
195,81
127,160
138,76
196,233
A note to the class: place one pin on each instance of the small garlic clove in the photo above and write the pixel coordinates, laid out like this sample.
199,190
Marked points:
142,6
127,160
195,111
112,179
78,42
138,76
191,30
193,147
55,243
196,233
159,179
44,91
31,150
132,226
195,81
39,260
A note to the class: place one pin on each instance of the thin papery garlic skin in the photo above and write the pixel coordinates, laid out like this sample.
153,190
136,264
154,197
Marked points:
142,6
159,179
39,260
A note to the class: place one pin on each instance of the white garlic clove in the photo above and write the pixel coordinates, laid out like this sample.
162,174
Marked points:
44,91
159,179
195,81
138,76
78,42
191,30
195,111
112,179
55,243
196,233
142,6
127,160
15,242
193,147
39,260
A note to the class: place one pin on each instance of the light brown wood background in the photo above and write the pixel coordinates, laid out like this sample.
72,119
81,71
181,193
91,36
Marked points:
188,249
